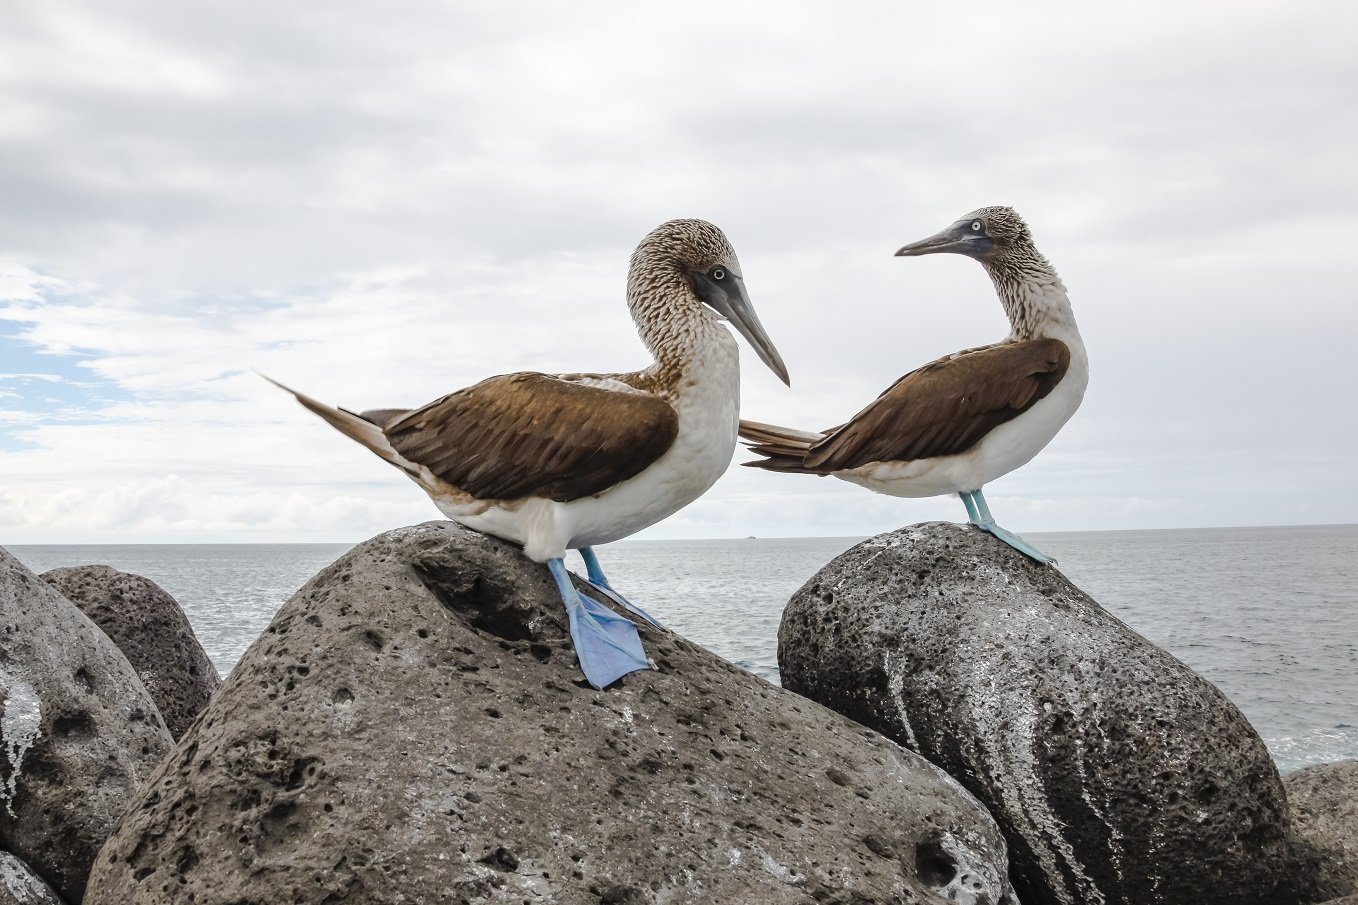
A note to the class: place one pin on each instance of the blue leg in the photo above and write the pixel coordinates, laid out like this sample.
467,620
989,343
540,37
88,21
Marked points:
606,644
982,508
979,514
597,578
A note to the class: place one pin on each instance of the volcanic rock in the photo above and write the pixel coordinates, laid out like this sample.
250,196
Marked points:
413,727
1117,774
153,633
20,886
1324,802
78,731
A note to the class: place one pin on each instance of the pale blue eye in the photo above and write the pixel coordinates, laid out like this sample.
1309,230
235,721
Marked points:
976,226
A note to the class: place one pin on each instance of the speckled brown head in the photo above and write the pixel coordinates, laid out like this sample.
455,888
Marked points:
995,236
688,245
1029,289
685,261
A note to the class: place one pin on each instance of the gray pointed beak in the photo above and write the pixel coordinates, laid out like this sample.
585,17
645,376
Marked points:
728,298
959,238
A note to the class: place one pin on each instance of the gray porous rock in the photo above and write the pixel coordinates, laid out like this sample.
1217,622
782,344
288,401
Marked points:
20,886
153,633
1117,774
412,727
78,731
1324,803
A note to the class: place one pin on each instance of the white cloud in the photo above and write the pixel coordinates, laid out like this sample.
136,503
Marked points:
173,508
377,205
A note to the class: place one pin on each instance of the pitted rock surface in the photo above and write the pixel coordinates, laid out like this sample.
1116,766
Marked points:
78,731
20,886
413,727
1117,774
1324,802
151,630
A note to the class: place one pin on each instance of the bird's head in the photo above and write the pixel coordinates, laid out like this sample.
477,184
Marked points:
990,235
701,257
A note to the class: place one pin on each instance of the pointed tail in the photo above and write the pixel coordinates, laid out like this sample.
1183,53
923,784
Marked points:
356,427
782,448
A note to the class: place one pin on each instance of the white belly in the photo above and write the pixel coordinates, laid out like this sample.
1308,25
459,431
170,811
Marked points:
1007,447
700,455
709,416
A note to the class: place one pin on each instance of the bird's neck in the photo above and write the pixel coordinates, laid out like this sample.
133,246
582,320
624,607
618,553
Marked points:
1034,298
685,338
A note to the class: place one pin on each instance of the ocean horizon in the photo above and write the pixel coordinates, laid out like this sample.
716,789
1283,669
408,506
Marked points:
670,540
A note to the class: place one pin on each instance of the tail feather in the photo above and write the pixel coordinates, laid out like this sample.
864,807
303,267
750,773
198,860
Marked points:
757,432
383,418
782,448
355,427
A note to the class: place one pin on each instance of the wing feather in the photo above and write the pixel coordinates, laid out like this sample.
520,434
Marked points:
530,434
945,407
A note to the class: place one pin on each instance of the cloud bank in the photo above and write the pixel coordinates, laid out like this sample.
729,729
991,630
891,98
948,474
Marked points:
378,204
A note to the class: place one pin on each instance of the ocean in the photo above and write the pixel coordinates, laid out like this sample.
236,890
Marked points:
1269,615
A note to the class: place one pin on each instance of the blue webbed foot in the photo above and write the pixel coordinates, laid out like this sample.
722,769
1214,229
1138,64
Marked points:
600,583
607,645
978,513
1017,543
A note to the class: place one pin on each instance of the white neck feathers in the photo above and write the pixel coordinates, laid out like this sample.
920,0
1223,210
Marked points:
1034,298
673,324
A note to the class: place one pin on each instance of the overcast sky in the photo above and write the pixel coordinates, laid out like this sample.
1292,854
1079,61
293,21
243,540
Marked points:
379,203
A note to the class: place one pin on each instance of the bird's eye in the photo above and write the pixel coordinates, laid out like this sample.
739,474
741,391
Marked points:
718,273
976,226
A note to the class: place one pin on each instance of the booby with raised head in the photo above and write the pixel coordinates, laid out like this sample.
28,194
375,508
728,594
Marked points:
569,461
964,420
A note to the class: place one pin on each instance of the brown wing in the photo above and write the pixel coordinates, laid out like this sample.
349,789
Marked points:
945,407
530,434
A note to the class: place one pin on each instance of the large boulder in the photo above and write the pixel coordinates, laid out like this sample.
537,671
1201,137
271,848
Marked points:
1117,774
20,886
153,633
413,728
1324,801
78,732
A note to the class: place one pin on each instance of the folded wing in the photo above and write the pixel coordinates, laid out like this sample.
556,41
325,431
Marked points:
945,407
530,434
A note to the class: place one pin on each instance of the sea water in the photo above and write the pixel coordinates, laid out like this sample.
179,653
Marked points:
1269,615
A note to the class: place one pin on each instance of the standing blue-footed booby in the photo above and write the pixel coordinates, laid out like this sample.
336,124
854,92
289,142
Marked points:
960,422
567,461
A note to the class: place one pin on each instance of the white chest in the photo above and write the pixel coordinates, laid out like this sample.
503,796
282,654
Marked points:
708,405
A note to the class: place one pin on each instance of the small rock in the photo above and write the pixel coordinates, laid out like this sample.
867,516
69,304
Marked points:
152,631
502,859
20,886
413,728
1324,801
78,731
1118,775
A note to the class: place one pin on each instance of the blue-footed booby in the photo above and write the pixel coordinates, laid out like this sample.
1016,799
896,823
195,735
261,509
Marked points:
963,420
569,461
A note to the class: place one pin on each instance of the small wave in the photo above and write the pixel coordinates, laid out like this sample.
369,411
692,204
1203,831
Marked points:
1321,747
